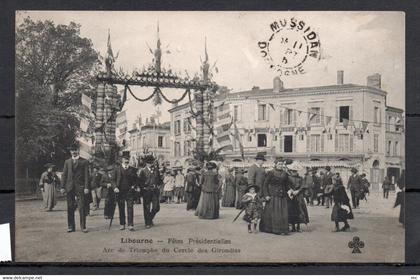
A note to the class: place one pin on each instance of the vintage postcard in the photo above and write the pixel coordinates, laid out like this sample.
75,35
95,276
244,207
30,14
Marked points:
204,137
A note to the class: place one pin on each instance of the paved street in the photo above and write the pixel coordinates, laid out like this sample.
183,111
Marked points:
42,237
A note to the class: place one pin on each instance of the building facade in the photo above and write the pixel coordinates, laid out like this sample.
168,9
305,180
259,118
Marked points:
342,125
150,137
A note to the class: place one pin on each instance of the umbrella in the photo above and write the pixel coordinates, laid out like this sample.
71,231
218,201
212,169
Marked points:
237,216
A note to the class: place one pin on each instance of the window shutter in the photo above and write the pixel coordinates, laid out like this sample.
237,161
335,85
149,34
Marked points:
322,142
337,114
336,142
351,142
294,143
239,112
321,111
267,109
308,142
351,115
256,111
294,118
281,117
380,117
281,143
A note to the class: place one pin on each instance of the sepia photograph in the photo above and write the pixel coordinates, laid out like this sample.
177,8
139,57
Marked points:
210,137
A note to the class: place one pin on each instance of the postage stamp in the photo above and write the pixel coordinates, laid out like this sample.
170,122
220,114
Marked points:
291,44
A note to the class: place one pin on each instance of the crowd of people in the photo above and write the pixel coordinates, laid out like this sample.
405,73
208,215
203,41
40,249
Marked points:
273,201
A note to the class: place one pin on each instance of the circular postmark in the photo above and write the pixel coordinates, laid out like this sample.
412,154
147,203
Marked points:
291,44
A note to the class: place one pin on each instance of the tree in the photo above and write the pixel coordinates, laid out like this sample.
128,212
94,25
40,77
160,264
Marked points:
54,66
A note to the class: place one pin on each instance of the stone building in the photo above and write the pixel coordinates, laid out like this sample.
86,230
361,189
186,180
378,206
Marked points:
150,137
341,125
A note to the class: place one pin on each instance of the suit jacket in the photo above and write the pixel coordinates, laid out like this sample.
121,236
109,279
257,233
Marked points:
355,183
149,178
75,176
327,180
256,176
191,182
131,178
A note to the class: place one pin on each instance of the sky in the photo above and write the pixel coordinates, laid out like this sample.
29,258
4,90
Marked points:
359,43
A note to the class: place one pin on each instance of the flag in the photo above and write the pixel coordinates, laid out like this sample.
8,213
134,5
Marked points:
86,103
84,125
345,123
364,125
241,147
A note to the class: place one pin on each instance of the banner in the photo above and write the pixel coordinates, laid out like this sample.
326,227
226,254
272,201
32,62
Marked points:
84,125
86,103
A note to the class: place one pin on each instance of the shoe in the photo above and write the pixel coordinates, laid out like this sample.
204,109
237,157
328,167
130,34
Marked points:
337,230
70,230
345,228
152,224
85,230
131,228
148,226
122,227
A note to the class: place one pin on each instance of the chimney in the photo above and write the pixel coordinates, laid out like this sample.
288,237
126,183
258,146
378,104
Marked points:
374,81
340,77
277,85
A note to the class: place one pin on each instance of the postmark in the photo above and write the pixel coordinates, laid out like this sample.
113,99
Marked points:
291,45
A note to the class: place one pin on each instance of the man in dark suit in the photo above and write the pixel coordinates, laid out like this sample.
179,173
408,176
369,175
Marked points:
256,173
149,181
355,186
75,182
126,190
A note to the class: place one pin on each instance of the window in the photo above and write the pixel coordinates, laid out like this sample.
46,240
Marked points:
160,141
235,113
262,112
315,142
375,143
344,113
314,116
288,143
344,143
187,151
376,118
289,116
396,147
177,149
177,127
262,140
301,136
388,148
187,126
249,138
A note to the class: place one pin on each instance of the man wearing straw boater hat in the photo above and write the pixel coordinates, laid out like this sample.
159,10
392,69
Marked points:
75,182
256,173
149,181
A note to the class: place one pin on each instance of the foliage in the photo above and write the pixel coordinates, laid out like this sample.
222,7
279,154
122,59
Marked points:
54,66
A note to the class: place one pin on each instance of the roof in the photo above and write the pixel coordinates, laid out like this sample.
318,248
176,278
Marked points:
257,92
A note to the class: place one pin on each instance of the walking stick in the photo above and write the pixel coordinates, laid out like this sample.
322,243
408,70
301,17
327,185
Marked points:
237,216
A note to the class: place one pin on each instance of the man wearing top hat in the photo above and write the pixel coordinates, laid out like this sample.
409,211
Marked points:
256,173
149,181
355,186
125,189
75,182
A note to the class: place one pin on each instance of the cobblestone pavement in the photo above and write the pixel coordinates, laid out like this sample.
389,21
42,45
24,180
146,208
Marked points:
42,237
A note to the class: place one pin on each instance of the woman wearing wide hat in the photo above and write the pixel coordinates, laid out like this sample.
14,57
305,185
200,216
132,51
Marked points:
274,218
48,183
229,190
208,205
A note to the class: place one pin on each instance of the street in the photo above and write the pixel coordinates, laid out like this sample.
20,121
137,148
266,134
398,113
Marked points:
178,237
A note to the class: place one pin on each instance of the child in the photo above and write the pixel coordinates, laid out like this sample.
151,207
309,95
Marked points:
253,207
169,185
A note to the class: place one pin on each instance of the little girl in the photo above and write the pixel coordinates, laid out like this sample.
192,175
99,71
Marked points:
169,185
253,204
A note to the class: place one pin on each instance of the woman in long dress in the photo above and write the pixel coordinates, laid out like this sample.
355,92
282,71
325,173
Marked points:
298,212
191,185
241,185
229,194
48,182
208,205
341,210
274,218
169,185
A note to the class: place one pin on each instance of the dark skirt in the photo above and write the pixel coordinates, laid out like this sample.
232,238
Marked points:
274,218
179,191
340,215
208,206
110,203
229,196
297,210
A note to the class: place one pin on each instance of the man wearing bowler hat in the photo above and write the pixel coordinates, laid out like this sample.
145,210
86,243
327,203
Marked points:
149,181
355,185
126,190
256,173
75,182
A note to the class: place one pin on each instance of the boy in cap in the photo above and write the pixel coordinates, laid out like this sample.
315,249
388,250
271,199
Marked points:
253,204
